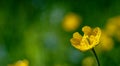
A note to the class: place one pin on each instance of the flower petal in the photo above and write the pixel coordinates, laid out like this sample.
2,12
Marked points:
96,31
87,30
97,34
77,36
75,42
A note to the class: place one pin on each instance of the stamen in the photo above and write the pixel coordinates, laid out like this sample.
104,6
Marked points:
88,41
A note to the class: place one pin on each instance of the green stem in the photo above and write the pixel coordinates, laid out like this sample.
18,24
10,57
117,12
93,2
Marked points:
93,50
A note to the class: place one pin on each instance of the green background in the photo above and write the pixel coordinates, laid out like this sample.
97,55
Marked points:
31,29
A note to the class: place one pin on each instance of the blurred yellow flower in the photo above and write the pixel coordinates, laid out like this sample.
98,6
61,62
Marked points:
90,39
20,63
106,43
112,27
88,61
71,22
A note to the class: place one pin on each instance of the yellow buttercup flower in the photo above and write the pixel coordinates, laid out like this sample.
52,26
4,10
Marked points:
90,39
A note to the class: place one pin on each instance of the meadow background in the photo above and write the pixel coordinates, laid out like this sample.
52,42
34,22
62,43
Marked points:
38,32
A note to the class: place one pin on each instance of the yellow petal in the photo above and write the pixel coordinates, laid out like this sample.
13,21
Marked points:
84,45
87,30
75,42
96,31
77,36
92,39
